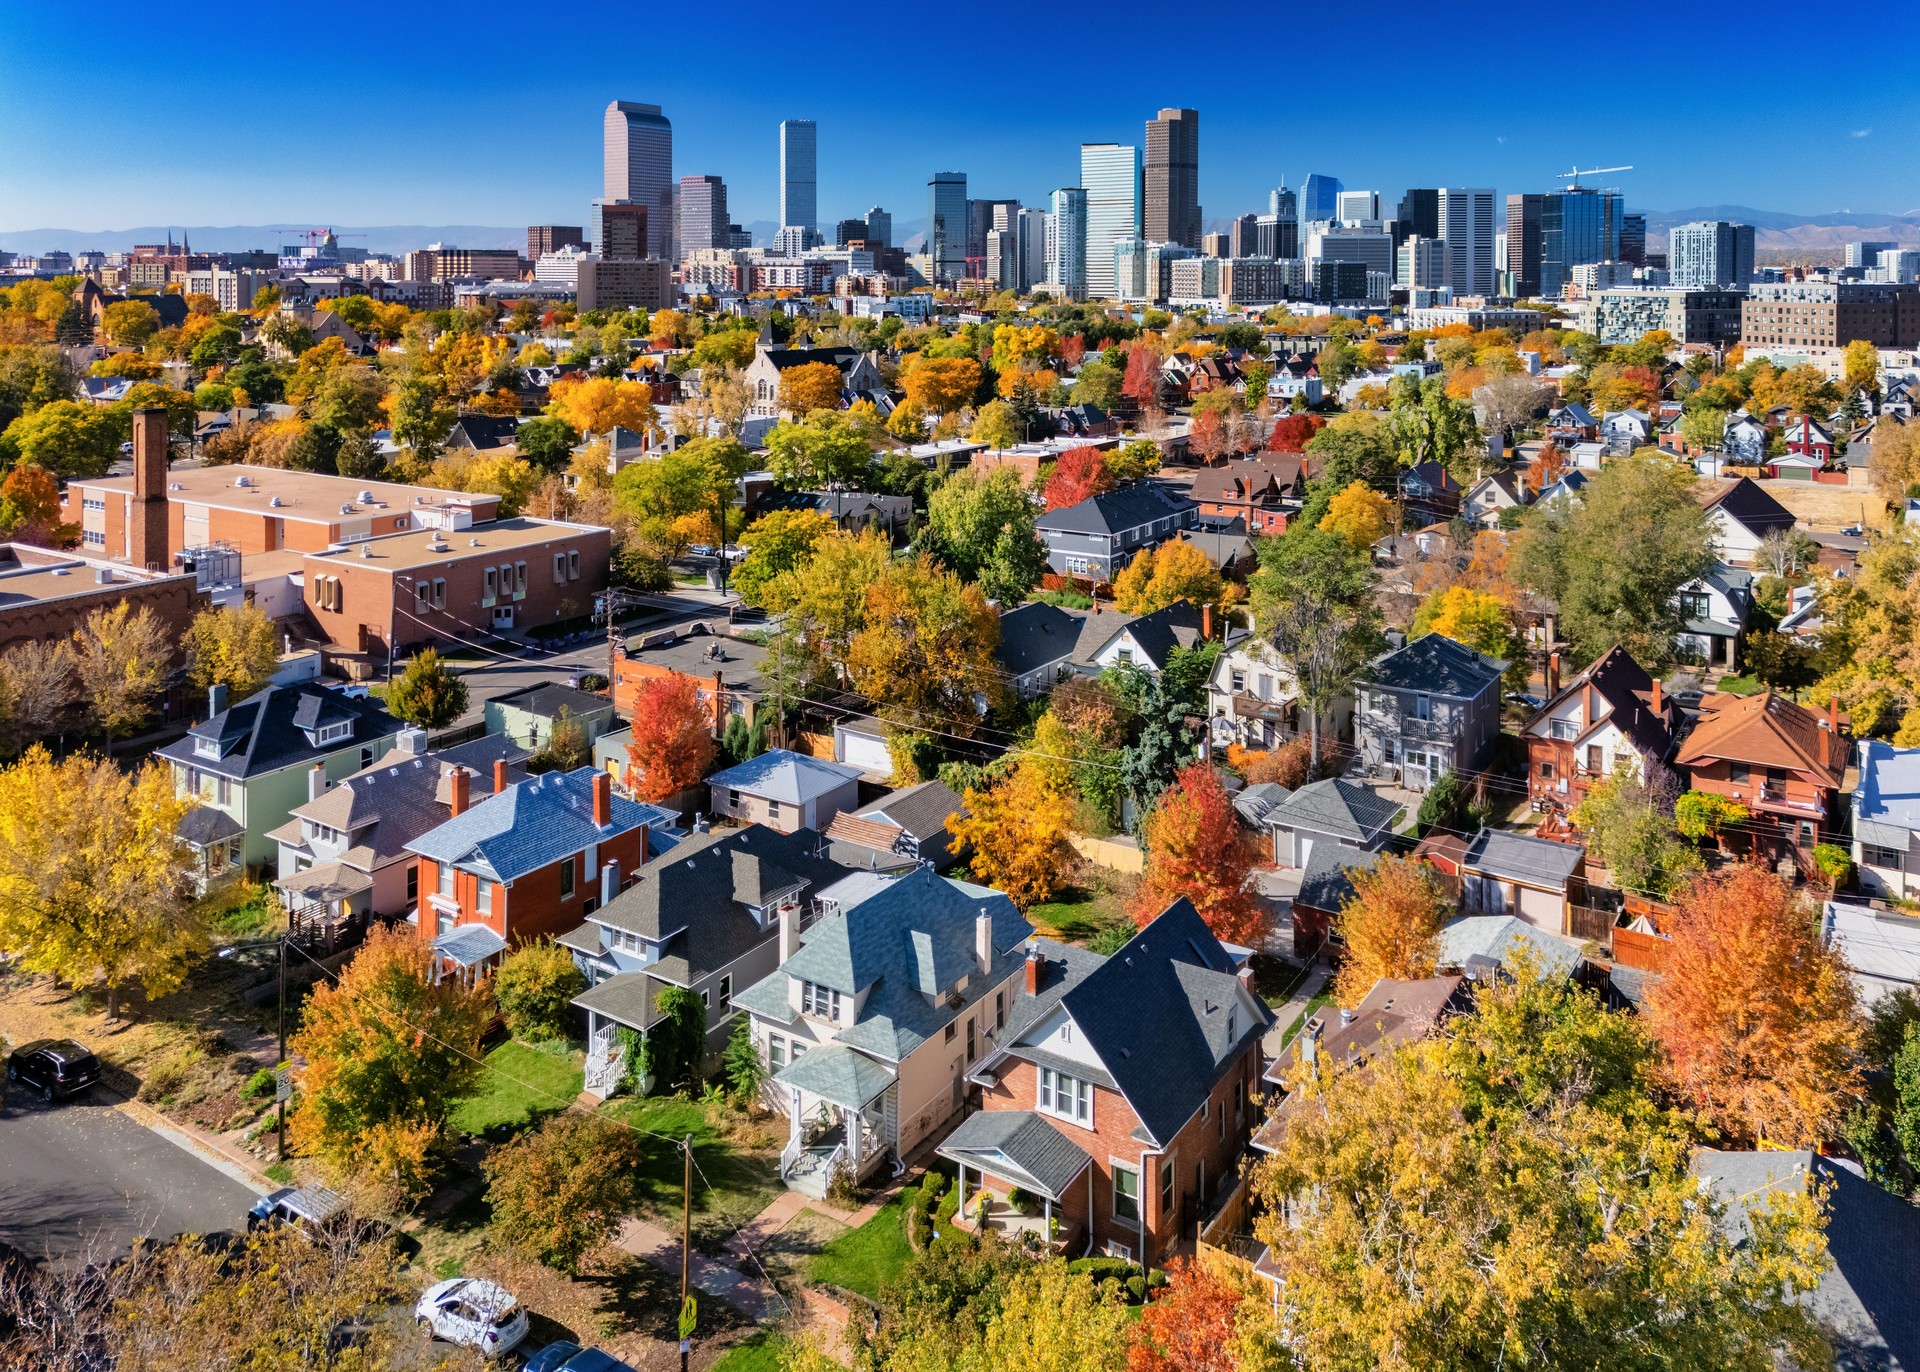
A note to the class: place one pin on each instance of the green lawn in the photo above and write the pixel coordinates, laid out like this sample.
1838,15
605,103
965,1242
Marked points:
1314,1006
862,1258
766,1351
1740,685
731,1183
520,1086
1079,915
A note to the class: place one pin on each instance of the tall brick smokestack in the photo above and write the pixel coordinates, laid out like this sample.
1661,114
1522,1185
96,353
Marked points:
148,523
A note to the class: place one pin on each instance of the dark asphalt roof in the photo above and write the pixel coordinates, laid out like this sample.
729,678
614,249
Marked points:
1326,885
921,810
268,731
546,700
1437,665
1022,1139
1111,512
1035,634
1336,806
1522,857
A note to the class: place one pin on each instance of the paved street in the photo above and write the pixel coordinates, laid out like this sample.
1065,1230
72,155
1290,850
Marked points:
79,1178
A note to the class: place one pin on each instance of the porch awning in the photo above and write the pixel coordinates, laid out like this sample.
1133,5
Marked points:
1019,1146
469,945
328,881
203,826
838,1074
626,999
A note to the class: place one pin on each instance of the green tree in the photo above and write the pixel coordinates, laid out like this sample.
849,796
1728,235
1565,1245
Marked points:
826,446
983,528
422,417
428,693
1431,426
679,498
547,442
69,439
677,1040
215,347
777,543
30,377
348,400
1357,447
1313,599
563,1189
535,987
996,425
1628,826
746,1070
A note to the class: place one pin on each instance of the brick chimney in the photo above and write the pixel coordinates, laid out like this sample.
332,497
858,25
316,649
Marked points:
983,940
457,791
602,799
1657,698
1035,965
1553,675
1833,713
499,775
1206,621
147,531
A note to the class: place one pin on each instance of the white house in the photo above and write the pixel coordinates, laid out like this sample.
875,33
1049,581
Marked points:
1716,607
1740,514
1488,496
1253,697
1880,947
1886,820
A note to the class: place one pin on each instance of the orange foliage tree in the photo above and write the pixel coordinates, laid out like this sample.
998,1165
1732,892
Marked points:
1200,1322
1757,1017
941,385
1017,828
672,737
1388,925
1195,849
1079,474
30,509
1142,381
1547,467
809,387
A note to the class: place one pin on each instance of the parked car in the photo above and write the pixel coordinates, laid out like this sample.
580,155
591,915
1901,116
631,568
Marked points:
565,1356
58,1067
307,1206
472,1313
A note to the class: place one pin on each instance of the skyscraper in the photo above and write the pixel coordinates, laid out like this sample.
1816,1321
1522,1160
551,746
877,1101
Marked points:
1466,224
1172,176
638,167
1577,225
703,213
1867,254
1710,252
1110,173
1320,197
799,174
1033,248
1352,206
947,224
1067,255
1633,239
1283,203
1419,213
621,229
879,228
1243,236
1522,267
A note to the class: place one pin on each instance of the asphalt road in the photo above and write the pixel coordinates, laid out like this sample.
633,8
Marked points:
80,1181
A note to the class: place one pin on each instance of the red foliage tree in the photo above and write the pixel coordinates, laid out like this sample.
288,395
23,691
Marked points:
30,509
1192,1326
1291,432
1080,473
1073,350
672,737
1142,381
1208,439
1194,849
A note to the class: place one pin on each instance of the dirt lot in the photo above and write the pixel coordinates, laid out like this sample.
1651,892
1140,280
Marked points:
1829,508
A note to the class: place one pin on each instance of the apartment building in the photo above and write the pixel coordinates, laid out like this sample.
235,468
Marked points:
1830,314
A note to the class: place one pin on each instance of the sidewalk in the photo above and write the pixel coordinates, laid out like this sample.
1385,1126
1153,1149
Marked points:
751,1296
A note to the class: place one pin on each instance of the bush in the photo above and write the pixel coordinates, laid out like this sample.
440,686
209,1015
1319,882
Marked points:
843,1189
1834,862
260,1086
1102,1269
535,986
560,1191
1157,1278
1019,1199
1137,1288
949,1207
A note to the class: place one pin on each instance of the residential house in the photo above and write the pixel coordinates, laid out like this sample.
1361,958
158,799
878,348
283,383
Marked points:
1782,761
1037,643
1326,885
1120,1091
484,433
1880,947
708,916
1103,533
1263,492
1294,377
861,743
345,850
1572,422
1587,457
1809,439
1113,638
1227,546
1886,820
1534,879
1864,1299
1253,698
905,827
1568,488
1491,494
1427,709
1334,813
785,790
1610,714
859,372
247,764
527,716
873,1020
1740,514
527,862
1430,493
1624,430
1716,606
853,511
1480,945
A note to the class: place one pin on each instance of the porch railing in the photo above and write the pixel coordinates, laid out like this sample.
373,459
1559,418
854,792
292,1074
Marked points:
790,1155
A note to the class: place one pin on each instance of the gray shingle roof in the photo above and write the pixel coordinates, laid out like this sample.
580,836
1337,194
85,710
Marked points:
1499,937
1112,512
788,777
999,1140
921,810
1327,884
546,700
1338,807
1522,857
531,824
1034,634
837,1073
266,732
402,796
1437,665
1157,634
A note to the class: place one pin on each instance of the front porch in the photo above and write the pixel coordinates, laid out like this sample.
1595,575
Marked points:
834,1099
216,844
1009,1156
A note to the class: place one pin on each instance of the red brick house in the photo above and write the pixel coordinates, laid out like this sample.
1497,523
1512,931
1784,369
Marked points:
1782,761
530,861
1609,714
1265,491
1121,1093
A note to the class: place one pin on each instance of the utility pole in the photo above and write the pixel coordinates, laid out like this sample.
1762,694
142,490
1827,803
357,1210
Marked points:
686,1250
279,1091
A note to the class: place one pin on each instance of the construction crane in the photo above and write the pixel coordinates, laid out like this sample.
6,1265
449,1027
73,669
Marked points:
1573,177
325,237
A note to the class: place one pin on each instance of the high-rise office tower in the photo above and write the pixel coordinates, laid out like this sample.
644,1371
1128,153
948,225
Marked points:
638,167
947,224
1419,213
545,238
1320,197
1172,178
849,231
1283,202
1633,239
879,228
1351,206
621,229
703,214
1522,268
1067,254
1032,230
1466,225
1420,262
1242,236
1867,254
1110,173
1578,225
799,174
1710,252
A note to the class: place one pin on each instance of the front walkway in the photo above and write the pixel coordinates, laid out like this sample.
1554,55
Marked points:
1284,1015
753,1296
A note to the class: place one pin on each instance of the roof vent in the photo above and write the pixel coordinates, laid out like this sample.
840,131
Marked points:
473,543
63,571
366,497
275,502
346,509
242,480
366,550
175,486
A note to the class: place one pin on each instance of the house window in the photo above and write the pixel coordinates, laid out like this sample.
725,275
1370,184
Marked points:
1423,707
439,593
1126,1192
972,1050
1126,656
566,879
422,596
1239,680
446,880
819,1002
573,566
519,578
726,994
1166,1186
1564,730
1067,1097
1740,772
1872,855
952,1031
366,758
483,896
559,568
413,883
776,1053
1000,1009
491,588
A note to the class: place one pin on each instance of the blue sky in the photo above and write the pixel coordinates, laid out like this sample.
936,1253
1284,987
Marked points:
489,113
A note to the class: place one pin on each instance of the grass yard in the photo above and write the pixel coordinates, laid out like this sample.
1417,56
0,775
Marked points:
765,1351
1083,911
736,1163
520,1086
1274,978
862,1258
1314,1007
1739,685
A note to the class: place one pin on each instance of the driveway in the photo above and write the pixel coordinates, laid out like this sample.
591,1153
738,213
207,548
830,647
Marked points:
80,1180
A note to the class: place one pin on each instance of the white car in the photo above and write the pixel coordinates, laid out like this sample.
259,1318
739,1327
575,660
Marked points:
473,1314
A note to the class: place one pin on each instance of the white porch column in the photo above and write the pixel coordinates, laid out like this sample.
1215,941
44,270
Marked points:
961,1182
854,1124
1046,1218
794,1118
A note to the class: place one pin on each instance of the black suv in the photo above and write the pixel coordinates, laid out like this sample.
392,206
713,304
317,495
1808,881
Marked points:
59,1067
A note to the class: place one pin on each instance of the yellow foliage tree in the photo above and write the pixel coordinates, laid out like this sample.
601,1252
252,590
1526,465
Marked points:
809,387
1359,514
236,648
594,405
941,385
1388,925
1017,828
1157,578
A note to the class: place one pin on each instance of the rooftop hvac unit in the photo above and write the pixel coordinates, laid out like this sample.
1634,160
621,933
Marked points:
275,502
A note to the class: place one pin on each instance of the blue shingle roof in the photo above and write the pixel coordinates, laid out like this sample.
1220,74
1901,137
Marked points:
788,777
531,824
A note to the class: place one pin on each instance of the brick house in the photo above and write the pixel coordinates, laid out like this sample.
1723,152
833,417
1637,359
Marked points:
727,672
1121,1092
45,594
1782,761
1264,492
1613,712
528,862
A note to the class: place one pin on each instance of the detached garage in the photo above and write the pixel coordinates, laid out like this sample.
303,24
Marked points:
1533,879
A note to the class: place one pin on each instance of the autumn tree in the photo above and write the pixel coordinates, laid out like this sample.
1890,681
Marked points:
535,986
130,323
823,600
776,543
1158,577
1389,926
1628,823
1359,514
596,405
428,693
64,437
121,660
91,874
1195,851
1141,383
1017,828
1313,599
1757,1016
925,649
1016,1313
809,387
560,1191
232,647
30,509
673,744
1213,1316
824,447
1549,464
940,385
1870,647
389,1048
1080,474
983,528
1479,620
1291,432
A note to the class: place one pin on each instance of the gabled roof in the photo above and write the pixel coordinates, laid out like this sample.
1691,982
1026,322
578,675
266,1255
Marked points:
268,731
1524,858
1765,730
1035,634
484,431
921,810
1327,884
1157,634
1270,474
1747,504
1113,512
1498,938
1501,481
1256,802
788,777
1624,688
545,700
1165,1014
1437,665
1019,1145
531,824
1337,807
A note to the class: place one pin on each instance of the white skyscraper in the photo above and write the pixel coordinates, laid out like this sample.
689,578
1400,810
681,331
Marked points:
1110,175
1352,205
799,174
1466,226
1067,242
638,167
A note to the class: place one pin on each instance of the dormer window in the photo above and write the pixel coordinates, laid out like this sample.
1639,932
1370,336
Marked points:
330,733
819,1002
206,747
